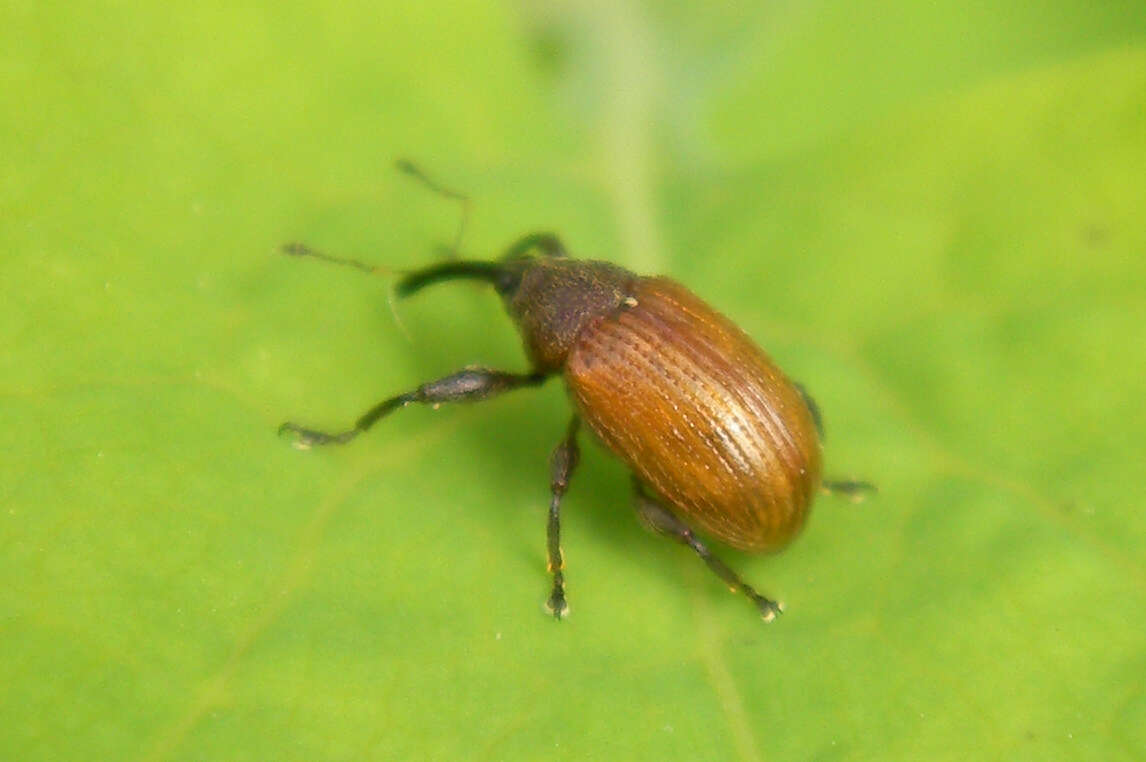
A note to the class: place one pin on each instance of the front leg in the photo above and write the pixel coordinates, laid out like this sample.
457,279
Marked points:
469,385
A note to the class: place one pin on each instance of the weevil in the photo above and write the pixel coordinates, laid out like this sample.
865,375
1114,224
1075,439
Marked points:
717,437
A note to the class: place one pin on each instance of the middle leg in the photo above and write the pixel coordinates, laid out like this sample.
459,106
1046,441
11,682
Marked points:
561,467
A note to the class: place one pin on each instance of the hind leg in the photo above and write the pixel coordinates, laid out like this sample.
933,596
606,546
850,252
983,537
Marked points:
662,520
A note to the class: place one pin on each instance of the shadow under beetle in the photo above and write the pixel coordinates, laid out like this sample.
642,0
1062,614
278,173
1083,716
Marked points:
716,436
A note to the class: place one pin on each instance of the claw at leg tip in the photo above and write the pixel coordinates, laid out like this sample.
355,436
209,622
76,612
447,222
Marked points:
299,439
558,610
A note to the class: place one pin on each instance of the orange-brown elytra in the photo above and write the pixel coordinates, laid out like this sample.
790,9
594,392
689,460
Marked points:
716,436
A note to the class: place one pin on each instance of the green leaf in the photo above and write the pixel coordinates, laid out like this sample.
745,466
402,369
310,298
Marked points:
930,214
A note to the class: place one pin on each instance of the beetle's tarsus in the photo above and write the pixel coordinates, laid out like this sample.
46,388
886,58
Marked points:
769,609
854,491
304,438
556,605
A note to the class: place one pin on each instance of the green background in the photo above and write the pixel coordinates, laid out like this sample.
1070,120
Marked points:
929,213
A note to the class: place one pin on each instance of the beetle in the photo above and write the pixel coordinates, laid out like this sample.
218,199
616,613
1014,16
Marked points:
716,436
